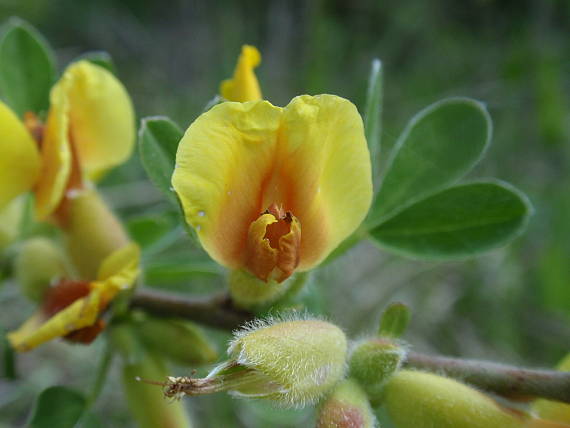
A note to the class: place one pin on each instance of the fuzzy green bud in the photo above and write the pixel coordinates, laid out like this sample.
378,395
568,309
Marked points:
423,400
554,410
146,402
292,362
373,362
182,342
346,407
38,264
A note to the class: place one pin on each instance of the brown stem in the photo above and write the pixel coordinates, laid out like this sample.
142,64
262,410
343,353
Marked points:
508,381
216,311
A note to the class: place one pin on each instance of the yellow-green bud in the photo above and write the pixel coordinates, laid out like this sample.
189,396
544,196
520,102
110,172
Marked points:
92,231
373,362
423,400
180,341
39,262
346,407
293,362
250,292
10,218
554,410
146,402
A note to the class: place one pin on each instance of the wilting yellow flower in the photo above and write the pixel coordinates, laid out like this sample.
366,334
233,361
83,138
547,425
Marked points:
243,86
71,309
273,190
89,129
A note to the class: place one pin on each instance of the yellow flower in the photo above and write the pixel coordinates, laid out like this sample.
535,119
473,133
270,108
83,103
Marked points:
272,190
89,129
71,308
244,85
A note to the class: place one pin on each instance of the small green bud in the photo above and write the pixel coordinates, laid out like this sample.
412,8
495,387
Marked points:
372,362
146,402
38,264
395,320
554,410
182,342
250,292
423,400
293,362
346,407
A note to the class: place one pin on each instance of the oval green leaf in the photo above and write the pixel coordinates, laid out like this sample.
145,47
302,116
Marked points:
373,113
57,406
461,221
439,146
158,141
27,69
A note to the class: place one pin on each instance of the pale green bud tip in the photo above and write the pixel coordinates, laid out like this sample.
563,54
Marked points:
249,292
346,407
424,400
373,362
38,264
291,361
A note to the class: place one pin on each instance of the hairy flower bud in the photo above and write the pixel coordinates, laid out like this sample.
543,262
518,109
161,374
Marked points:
373,362
346,407
423,400
293,362
180,341
38,264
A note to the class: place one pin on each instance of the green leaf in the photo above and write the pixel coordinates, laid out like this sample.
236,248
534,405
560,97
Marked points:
373,113
158,141
100,58
146,230
175,271
395,320
460,221
57,406
27,69
439,146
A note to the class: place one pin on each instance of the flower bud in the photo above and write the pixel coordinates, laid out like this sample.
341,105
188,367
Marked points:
146,402
346,407
248,291
293,362
38,264
423,400
554,410
373,362
180,341
92,230
10,218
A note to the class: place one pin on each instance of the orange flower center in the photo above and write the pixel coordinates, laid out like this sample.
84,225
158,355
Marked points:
273,243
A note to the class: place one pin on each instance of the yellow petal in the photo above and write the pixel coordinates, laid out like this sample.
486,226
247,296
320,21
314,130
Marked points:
19,159
101,117
56,156
118,271
222,163
81,313
311,158
243,86
328,165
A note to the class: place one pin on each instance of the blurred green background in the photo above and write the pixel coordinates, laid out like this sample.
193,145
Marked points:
512,305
